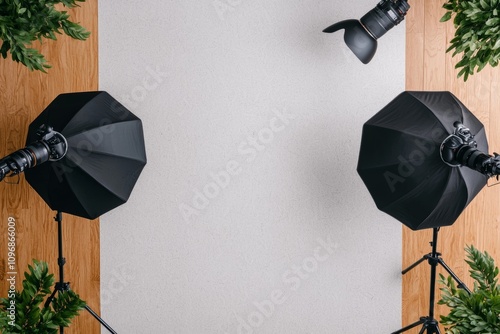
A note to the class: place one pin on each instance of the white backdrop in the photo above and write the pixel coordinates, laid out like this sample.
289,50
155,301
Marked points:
249,216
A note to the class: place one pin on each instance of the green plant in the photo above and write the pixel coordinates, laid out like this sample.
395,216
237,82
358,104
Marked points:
23,312
477,34
24,21
478,312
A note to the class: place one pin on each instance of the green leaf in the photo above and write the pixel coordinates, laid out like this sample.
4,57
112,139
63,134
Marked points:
24,21
484,4
446,17
492,21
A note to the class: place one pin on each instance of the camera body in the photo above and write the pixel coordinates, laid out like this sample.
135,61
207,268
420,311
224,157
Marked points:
460,149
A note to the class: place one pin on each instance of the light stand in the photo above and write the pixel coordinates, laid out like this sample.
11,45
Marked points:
84,154
423,160
429,324
62,286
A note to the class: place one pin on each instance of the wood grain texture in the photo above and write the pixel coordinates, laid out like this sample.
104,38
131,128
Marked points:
428,67
24,95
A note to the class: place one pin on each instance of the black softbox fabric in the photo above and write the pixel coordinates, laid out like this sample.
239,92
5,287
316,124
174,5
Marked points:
106,154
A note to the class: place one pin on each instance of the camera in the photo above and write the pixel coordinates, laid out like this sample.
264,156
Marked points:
386,15
460,149
52,146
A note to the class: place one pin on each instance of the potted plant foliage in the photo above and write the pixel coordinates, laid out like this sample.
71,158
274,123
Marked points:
477,35
23,22
24,312
479,311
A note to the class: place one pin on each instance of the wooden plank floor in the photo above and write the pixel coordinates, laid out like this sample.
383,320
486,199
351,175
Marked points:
24,95
429,68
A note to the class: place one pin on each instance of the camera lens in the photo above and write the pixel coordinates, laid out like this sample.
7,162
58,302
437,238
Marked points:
385,16
29,156
473,158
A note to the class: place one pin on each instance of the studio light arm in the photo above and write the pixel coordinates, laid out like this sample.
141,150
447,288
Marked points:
52,146
460,149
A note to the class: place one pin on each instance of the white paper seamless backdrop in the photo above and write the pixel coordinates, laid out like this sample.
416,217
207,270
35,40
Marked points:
249,216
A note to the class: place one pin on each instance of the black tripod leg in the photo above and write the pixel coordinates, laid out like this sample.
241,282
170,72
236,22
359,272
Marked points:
413,325
95,315
429,324
414,265
430,327
62,286
460,284
61,261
